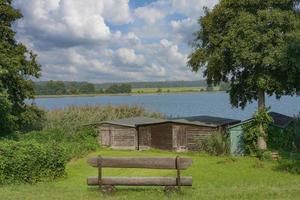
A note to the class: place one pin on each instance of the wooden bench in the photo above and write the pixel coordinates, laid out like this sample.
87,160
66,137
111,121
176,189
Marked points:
107,184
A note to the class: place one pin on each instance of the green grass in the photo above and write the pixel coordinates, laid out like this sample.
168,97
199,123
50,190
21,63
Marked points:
213,178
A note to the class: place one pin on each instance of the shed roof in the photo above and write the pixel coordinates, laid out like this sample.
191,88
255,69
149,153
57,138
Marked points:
134,121
279,120
208,120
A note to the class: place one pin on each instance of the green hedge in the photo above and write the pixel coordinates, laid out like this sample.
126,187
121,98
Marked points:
30,161
76,145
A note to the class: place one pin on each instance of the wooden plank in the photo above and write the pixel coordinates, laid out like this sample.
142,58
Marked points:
140,181
140,162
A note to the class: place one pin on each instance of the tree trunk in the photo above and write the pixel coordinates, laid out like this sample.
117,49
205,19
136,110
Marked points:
261,141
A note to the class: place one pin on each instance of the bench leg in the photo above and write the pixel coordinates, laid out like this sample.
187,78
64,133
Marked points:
108,189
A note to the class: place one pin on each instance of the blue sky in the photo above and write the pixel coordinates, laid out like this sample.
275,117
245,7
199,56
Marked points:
111,40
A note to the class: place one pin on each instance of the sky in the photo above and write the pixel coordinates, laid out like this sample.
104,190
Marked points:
111,40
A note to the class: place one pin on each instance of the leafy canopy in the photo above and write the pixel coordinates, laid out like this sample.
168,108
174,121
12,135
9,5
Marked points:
17,67
252,44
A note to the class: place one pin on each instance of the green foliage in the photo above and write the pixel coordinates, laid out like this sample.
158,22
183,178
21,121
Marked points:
264,154
75,145
30,161
55,87
17,68
296,126
289,163
33,119
7,120
87,88
254,45
118,89
217,144
253,130
291,166
281,139
39,156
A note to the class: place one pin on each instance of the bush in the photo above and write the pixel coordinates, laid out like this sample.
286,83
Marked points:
76,145
279,139
217,144
289,165
32,119
30,161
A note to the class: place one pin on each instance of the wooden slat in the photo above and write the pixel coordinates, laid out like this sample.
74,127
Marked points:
140,181
138,162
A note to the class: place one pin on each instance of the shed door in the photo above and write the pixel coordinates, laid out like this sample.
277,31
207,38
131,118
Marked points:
236,141
105,136
161,137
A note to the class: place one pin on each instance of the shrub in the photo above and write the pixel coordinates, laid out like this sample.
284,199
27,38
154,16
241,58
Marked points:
289,165
32,119
281,139
30,161
75,145
216,144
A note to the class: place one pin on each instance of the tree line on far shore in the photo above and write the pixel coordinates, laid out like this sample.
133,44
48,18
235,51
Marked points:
73,88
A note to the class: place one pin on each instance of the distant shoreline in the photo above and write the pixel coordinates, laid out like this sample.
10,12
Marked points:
121,94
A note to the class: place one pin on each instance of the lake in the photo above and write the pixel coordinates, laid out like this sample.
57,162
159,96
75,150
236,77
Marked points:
179,104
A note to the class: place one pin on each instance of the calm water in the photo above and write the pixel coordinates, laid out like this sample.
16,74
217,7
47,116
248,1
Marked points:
179,105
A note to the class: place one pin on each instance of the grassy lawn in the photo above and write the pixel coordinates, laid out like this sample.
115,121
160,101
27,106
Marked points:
213,178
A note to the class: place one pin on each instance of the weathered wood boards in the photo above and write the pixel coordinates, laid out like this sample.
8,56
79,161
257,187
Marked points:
139,162
140,181
108,183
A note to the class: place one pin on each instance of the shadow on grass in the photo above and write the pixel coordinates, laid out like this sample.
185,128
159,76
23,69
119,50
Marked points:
138,189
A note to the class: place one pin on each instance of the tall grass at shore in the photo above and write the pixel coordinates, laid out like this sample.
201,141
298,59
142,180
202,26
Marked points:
73,118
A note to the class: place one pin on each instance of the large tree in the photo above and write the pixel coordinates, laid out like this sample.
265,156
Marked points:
17,67
252,44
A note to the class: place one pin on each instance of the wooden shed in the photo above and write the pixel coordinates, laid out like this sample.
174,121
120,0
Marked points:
142,133
280,124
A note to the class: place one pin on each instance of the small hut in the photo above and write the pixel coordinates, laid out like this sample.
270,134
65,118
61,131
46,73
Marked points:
177,134
280,124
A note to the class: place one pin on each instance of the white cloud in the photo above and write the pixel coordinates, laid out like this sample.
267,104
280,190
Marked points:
71,22
184,29
192,8
149,15
106,40
128,56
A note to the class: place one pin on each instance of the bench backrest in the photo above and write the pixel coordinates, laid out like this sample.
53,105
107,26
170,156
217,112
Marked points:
141,162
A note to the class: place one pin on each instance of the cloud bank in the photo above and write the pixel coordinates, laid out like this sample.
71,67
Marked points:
110,40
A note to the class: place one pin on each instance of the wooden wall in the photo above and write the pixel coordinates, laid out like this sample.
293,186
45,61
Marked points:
188,136
117,137
167,136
